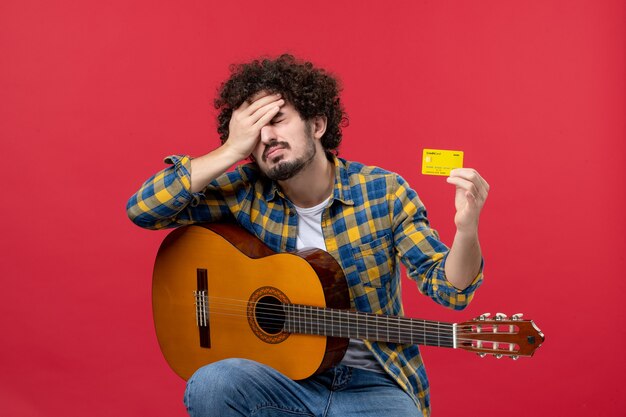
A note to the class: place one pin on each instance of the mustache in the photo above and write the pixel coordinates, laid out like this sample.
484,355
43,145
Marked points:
273,145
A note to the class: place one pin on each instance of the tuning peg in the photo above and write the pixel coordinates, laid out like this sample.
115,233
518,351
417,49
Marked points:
484,316
500,316
517,316
498,355
482,354
515,357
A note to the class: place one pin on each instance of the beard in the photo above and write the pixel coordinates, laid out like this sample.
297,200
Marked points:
284,170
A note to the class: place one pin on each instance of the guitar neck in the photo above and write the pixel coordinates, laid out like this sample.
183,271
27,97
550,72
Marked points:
358,325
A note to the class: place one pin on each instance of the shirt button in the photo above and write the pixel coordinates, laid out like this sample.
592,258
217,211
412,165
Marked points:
291,214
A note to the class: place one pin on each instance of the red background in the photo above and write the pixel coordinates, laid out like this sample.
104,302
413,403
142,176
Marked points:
94,94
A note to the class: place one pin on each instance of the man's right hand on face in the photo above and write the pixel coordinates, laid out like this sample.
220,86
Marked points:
248,119
245,127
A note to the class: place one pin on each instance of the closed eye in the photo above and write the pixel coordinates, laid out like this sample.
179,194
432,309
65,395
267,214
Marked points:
275,121
279,117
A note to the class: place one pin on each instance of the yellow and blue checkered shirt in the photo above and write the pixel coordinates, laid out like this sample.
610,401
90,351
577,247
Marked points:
372,220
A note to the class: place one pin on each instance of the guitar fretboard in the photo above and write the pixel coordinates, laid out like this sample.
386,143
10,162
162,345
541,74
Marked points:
358,325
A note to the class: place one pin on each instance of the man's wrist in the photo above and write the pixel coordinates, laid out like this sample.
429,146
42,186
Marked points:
466,234
231,153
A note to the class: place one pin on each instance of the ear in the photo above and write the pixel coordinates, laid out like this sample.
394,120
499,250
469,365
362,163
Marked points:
319,126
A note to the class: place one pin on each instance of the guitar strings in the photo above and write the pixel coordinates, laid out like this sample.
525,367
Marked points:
440,338
279,312
414,328
236,303
272,310
426,337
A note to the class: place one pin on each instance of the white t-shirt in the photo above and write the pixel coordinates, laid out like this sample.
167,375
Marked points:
310,235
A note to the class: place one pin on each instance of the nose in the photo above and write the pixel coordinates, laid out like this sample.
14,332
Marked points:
267,134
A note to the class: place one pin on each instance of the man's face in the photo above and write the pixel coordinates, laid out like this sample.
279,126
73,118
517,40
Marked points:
287,145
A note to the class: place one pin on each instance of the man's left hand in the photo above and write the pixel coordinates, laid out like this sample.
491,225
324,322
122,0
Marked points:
471,193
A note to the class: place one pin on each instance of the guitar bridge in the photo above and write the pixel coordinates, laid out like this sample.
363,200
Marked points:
202,308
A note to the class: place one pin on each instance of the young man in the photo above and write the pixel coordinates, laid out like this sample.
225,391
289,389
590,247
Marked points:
286,116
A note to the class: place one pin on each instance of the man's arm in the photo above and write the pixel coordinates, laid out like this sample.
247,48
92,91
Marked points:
427,258
464,259
164,199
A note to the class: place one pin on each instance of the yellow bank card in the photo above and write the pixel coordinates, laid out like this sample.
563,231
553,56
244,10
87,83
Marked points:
441,162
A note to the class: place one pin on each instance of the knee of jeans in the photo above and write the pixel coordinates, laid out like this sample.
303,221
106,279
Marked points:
222,378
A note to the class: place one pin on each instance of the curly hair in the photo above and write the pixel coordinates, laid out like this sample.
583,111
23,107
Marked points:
312,91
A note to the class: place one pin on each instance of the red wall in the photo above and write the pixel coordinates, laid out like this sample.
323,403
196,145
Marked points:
94,94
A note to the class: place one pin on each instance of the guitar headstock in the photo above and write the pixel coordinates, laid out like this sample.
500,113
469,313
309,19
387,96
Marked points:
499,336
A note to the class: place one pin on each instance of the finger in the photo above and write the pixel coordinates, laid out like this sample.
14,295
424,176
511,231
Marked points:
472,175
260,102
468,186
267,117
471,199
250,101
262,112
467,173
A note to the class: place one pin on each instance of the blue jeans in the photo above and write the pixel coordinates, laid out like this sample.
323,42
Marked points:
240,387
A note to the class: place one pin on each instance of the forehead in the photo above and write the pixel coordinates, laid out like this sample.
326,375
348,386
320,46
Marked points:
254,97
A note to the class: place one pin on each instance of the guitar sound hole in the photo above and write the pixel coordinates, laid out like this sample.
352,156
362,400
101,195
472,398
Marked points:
270,314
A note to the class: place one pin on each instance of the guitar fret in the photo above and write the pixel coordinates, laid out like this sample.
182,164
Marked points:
298,317
317,312
387,323
340,324
305,321
376,321
308,312
396,335
420,338
342,321
371,322
438,330
429,338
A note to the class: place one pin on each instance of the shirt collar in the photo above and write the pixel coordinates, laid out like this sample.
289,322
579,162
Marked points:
342,183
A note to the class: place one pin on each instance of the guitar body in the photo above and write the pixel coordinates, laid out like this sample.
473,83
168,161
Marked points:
232,270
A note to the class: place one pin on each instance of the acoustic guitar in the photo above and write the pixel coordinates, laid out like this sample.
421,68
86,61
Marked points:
218,292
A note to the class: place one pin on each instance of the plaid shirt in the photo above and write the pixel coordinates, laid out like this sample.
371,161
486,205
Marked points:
372,220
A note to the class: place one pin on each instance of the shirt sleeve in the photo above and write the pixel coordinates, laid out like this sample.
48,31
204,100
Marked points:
423,254
165,199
